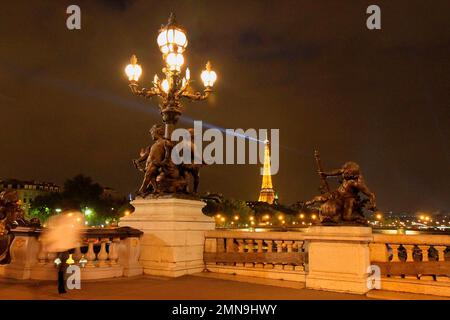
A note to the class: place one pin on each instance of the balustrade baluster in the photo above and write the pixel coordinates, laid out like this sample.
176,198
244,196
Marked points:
441,252
90,255
269,250
395,257
250,249
441,255
240,250
102,256
289,245
395,254
279,244
409,252
114,251
424,250
259,249
299,246
410,258
289,267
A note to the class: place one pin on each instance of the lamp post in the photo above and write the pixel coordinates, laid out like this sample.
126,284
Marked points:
161,175
172,42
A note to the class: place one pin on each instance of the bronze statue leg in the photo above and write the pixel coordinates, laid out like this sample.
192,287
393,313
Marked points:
348,209
148,180
144,184
153,174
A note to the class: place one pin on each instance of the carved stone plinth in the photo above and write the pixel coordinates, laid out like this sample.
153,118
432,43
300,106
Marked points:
338,258
24,250
174,235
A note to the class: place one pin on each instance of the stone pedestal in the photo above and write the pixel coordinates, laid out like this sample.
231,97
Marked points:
24,250
339,258
174,235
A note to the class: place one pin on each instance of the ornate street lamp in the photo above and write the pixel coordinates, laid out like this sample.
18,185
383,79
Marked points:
172,42
162,175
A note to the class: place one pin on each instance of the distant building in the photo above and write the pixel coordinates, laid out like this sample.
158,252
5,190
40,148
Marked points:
29,190
267,193
112,195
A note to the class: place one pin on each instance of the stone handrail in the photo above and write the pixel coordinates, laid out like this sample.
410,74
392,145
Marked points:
276,255
122,232
101,253
435,239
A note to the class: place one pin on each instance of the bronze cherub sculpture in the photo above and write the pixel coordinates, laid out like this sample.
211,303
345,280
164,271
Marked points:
161,175
347,203
11,216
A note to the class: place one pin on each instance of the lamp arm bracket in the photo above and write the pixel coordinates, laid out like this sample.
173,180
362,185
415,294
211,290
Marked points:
197,96
144,92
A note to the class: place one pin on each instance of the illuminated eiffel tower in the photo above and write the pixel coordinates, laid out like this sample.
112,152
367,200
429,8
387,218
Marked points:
267,193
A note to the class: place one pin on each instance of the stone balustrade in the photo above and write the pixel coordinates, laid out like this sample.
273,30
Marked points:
407,263
413,263
273,255
101,253
325,258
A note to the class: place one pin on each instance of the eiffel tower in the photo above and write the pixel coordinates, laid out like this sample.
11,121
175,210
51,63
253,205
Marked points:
267,193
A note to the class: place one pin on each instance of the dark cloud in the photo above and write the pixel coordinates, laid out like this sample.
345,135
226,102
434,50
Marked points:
120,5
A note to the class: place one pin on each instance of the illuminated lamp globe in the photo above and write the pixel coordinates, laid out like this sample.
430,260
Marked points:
172,38
133,70
208,76
175,61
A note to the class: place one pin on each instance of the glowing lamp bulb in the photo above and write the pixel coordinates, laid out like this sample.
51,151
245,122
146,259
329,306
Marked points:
175,61
208,76
133,70
165,85
188,74
172,39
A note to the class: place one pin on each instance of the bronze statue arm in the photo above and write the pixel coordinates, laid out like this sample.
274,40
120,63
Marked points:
365,190
333,173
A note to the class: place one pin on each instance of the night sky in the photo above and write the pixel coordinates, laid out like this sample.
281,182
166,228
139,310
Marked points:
310,68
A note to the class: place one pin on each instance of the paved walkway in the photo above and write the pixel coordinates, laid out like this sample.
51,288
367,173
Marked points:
151,288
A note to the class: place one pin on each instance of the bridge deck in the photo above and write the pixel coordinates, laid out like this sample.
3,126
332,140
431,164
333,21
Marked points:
149,288
195,287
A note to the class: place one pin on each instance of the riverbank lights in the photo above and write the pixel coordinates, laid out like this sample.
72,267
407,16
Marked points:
172,38
133,70
208,76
